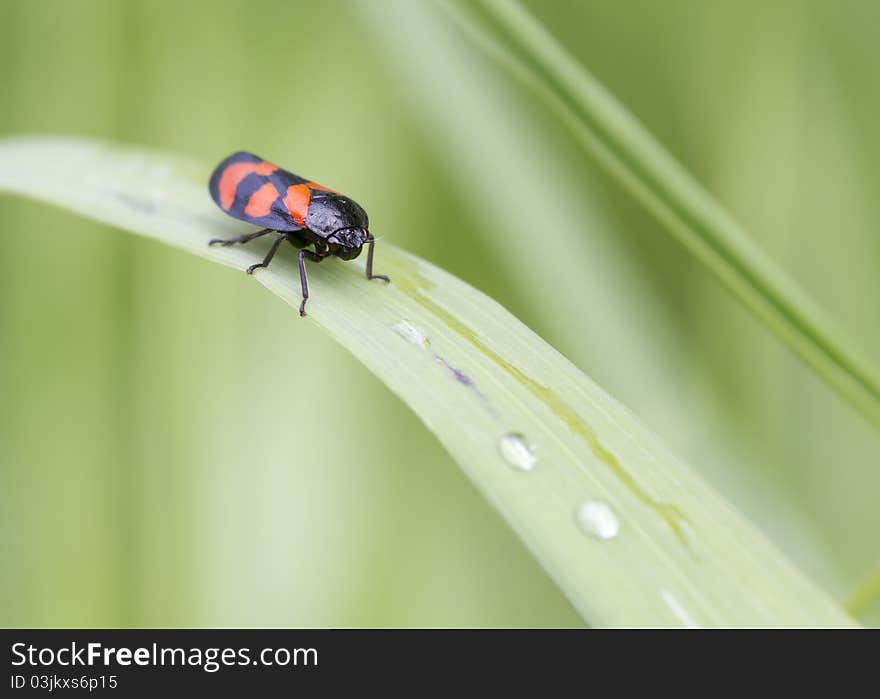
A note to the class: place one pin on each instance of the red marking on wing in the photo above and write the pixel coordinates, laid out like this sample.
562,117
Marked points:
234,174
260,203
315,185
297,202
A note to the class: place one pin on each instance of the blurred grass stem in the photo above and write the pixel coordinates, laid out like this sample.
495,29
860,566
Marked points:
688,211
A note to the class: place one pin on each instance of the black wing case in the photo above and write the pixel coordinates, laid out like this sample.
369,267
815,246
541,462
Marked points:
251,189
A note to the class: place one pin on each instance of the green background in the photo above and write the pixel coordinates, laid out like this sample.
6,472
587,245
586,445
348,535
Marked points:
178,448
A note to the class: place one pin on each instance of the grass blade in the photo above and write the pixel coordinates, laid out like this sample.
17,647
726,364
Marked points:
626,148
627,531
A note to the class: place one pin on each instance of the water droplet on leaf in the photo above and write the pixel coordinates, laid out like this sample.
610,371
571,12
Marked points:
411,333
678,609
517,451
597,519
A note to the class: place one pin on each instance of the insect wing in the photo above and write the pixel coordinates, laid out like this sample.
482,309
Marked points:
251,189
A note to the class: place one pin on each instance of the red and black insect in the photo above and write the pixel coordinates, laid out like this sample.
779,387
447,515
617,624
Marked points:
304,213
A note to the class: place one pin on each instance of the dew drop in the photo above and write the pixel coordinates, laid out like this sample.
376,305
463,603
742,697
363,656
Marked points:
411,333
678,609
597,519
517,451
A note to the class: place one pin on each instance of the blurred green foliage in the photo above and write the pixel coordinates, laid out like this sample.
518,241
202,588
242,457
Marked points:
167,446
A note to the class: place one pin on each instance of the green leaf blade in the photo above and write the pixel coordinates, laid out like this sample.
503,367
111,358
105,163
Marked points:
660,548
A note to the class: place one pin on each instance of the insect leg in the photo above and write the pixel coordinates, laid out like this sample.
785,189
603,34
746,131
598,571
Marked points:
302,255
370,241
269,255
240,239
